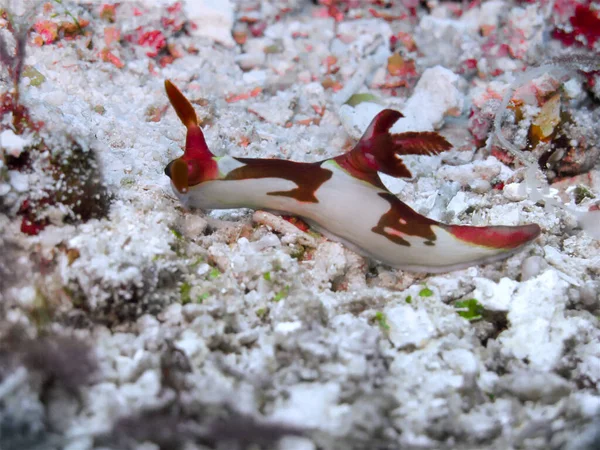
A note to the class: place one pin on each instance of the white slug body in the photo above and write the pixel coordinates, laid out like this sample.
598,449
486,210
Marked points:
343,197
347,211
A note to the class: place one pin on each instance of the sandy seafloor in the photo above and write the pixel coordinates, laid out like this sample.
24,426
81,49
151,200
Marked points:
130,322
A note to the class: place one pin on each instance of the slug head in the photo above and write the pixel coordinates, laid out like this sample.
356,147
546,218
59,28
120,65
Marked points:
197,163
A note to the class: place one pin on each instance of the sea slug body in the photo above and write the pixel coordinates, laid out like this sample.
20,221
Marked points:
343,197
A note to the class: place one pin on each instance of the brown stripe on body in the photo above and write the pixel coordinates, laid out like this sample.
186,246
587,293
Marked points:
402,220
308,176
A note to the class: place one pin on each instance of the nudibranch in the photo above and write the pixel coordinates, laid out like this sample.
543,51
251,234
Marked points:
343,197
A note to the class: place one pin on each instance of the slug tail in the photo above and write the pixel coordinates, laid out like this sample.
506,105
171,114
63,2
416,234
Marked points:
459,246
494,237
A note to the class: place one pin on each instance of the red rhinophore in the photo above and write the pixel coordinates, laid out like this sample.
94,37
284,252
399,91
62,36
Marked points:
199,160
199,170
195,145
501,237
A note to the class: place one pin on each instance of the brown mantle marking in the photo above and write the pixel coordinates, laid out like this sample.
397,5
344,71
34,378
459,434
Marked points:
308,176
404,220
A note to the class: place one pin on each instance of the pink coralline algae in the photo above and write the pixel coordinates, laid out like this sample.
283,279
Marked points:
153,39
584,28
